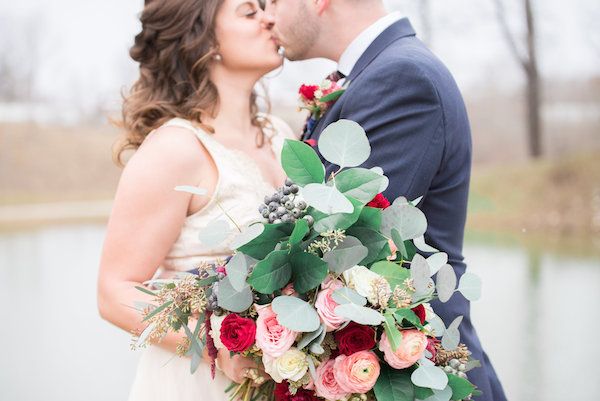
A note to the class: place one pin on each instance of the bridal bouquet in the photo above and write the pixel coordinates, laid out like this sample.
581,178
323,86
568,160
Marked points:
329,292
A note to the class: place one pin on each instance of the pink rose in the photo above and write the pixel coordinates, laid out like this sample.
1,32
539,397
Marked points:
326,305
326,385
356,373
271,337
411,349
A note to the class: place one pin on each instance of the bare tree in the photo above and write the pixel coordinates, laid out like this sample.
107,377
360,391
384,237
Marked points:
528,61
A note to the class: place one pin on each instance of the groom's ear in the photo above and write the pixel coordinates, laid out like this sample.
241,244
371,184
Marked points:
321,5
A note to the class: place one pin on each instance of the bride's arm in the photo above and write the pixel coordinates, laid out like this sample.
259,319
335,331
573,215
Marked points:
146,219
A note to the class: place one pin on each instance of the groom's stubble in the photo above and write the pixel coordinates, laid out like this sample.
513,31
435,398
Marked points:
300,35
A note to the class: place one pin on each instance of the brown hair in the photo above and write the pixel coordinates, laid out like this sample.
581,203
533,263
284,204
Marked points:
174,49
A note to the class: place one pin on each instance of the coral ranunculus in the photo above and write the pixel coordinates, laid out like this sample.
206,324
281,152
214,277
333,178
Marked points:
355,337
237,333
358,372
411,349
308,91
379,201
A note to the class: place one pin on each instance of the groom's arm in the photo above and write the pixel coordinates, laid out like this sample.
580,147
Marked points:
399,108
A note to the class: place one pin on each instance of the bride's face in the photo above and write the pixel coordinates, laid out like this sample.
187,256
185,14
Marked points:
244,42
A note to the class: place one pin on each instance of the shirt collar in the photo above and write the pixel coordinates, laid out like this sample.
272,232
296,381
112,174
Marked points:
360,44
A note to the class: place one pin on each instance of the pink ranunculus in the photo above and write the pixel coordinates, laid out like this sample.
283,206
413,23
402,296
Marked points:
326,385
358,372
326,305
271,337
411,349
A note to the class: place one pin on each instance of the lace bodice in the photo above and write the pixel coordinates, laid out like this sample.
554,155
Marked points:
240,189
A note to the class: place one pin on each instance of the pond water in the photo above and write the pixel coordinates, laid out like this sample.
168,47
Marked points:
537,320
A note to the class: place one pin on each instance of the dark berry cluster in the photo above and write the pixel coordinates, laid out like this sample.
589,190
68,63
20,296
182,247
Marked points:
284,206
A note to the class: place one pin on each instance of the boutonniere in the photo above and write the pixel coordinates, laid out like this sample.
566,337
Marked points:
317,99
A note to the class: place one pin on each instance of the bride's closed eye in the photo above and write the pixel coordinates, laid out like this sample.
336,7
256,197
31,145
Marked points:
247,10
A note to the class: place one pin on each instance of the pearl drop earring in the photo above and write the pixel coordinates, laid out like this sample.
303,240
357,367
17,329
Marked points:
217,57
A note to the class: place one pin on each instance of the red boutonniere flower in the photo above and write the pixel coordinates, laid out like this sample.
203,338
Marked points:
318,98
379,201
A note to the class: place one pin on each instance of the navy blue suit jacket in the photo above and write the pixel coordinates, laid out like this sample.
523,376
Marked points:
417,125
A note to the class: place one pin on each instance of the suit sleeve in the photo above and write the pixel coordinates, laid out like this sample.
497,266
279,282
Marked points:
400,110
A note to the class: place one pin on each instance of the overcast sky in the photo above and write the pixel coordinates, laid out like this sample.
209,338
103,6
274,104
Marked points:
79,47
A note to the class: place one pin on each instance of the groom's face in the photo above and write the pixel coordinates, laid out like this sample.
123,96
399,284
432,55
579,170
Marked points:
294,25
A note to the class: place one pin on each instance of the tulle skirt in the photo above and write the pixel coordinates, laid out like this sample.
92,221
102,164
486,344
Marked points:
163,376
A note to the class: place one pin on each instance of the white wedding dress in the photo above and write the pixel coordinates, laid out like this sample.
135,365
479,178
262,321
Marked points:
241,187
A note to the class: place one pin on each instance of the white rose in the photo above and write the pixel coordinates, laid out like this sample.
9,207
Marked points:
215,329
292,366
362,280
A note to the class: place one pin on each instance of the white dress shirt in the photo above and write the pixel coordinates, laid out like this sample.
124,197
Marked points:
360,44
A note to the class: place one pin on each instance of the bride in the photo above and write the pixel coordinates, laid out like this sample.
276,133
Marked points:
192,119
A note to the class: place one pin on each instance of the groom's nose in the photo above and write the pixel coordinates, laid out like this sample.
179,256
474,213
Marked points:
267,18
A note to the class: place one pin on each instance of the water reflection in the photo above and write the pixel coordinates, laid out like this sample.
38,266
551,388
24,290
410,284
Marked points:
537,319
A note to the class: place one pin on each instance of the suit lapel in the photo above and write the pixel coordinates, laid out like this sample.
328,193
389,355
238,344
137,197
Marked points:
399,29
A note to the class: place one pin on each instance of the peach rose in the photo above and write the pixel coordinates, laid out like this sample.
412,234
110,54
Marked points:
326,385
326,305
356,373
271,337
411,349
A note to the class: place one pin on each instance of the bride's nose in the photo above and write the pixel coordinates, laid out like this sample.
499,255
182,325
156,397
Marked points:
267,20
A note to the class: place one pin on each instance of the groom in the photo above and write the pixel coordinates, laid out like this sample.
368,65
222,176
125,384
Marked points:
414,116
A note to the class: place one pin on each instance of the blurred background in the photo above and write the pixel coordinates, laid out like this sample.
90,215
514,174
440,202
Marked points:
530,74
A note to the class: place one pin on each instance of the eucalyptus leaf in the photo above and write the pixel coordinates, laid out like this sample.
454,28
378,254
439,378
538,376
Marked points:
394,335
361,184
446,283
371,239
470,286
338,221
263,244
312,369
326,199
191,190
416,201
410,221
400,244
432,377
310,337
157,310
346,255
440,395
145,334
461,388
451,338
232,300
347,295
296,314
214,233
422,246
345,144
420,273
377,170
359,314
436,261
300,230
247,235
315,347
370,217
237,271
437,324
308,271
393,273
408,315
301,163
394,385
272,273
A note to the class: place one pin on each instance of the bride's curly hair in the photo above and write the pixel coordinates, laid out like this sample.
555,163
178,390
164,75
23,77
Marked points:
174,49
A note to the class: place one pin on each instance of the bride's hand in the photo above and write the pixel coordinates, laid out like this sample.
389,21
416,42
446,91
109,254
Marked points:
235,367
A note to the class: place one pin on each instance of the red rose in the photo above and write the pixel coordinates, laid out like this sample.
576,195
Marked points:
308,91
431,342
237,333
379,201
282,393
420,312
355,337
